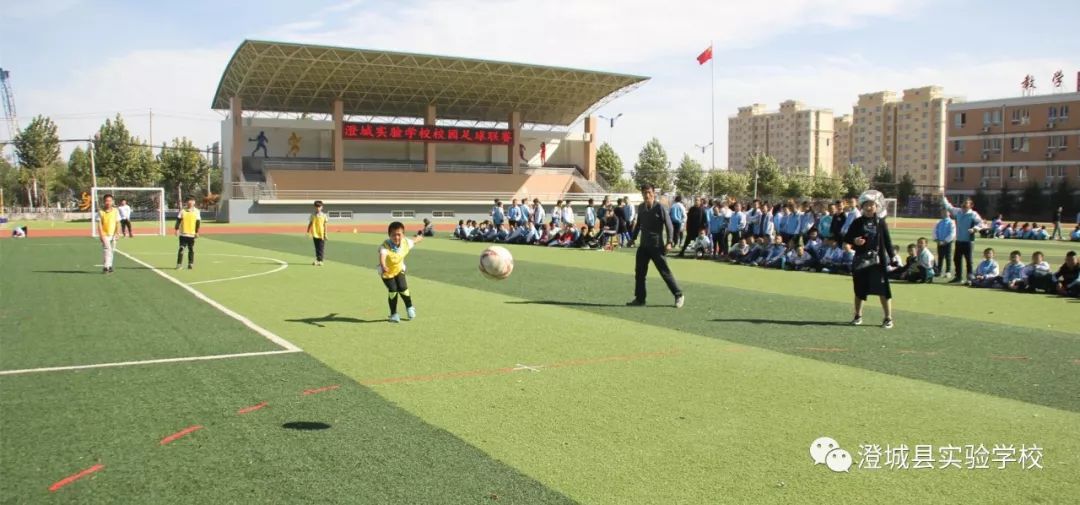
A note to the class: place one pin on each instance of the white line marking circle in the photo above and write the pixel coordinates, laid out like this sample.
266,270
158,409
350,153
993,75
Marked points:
282,265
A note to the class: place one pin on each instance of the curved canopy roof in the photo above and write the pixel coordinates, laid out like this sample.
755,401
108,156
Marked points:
285,77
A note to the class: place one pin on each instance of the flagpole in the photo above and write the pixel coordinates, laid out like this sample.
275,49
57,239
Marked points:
712,100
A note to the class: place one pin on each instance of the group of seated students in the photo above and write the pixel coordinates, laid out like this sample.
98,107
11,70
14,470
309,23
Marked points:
1027,231
552,235
1032,277
815,255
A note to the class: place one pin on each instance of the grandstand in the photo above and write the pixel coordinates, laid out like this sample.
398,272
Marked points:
380,134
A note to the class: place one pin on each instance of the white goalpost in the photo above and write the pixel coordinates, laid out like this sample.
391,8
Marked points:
147,204
890,208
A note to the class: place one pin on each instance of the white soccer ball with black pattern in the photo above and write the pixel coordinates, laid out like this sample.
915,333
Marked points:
496,263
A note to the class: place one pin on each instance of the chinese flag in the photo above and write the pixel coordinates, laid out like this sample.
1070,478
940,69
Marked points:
705,55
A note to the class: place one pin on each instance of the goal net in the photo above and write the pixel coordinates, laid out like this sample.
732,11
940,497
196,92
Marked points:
147,208
890,208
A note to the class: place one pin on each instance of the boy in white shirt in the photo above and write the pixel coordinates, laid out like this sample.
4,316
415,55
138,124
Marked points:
125,218
702,245
924,267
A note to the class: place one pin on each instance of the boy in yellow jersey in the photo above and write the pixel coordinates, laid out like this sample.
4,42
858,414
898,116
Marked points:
187,226
317,229
392,255
108,226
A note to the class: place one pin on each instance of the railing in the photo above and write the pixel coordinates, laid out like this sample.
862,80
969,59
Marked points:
268,193
465,168
384,166
296,165
246,190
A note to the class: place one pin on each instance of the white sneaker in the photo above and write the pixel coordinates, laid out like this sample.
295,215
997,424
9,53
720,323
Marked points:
680,301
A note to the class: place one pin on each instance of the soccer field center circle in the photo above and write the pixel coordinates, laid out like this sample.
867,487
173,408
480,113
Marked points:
281,265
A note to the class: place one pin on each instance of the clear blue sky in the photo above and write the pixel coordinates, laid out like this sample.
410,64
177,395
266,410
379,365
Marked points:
81,61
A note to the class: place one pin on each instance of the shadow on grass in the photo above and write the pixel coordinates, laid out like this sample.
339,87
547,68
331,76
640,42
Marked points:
98,272
305,426
567,304
332,318
785,322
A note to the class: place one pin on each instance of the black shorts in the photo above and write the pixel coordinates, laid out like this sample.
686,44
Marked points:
187,241
396,284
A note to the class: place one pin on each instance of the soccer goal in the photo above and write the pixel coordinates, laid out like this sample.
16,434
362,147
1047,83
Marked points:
147,208
890,208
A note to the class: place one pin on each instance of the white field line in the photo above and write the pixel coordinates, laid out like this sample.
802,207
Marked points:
146,362
282,265
285,344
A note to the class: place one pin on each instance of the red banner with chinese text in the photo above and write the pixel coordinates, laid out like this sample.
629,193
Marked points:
426,133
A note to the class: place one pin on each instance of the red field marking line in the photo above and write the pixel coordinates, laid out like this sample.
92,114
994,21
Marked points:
822,349
252,408
1010,358
485,372
181,434
320,390
74,477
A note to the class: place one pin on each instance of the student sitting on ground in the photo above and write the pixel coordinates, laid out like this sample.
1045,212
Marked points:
986,273
830,255
924,268
459,230
1007,231
799,259
1037,276
902,273
736,253
429,229
702,245
1075,235
757,252
477,233
1013,275
1067,278
1042,234
814,245
847,257
545,234
501,234
774,255
19,232
517,235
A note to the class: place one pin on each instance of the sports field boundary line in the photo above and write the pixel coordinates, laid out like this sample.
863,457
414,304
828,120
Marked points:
229,312
208,357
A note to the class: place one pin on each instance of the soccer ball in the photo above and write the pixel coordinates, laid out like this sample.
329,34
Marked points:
496,263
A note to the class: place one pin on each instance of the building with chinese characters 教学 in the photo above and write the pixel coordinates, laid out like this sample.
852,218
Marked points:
1012,143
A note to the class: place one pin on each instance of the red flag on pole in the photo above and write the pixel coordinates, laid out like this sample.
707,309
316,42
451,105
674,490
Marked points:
705,56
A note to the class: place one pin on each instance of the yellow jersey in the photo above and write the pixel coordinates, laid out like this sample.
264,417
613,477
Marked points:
395,257
107,220
317,224
188,222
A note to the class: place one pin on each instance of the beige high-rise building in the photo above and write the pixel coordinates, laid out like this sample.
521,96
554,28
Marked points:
796,136
904,134
872,130
842,144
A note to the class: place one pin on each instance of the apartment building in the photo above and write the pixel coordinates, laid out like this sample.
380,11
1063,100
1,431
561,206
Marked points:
795,135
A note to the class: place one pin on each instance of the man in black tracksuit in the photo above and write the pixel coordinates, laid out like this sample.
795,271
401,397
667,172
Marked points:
652,221
696,219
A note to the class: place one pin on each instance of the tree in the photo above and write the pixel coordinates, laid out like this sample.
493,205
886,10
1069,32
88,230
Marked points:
770,181
797,185
78,175
183,170
980,200
653,166
9,184
905,189
827,188
1062,196
855,181
608,165
729,184
1006,201
623,185
121,159
1032,199
689,176
37,147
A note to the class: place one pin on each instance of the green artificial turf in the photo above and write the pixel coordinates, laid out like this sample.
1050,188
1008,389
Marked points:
545,387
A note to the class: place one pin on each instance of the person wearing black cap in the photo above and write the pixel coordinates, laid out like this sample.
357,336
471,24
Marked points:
653,220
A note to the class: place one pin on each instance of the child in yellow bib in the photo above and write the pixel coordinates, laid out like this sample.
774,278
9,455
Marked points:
392,255
317,229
